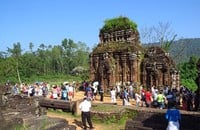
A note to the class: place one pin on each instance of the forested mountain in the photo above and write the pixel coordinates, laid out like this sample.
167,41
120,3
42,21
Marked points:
181,50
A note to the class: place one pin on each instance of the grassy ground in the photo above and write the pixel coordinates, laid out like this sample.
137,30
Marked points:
76,120
102,124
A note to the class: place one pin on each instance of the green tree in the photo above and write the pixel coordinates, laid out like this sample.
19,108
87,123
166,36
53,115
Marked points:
57,60
8,70
81,55
29,65
31,46
166,45
3,55
69,48
189,73
42,59
16,53
49,61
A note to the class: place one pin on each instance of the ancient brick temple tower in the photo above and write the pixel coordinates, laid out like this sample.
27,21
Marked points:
116,58
120,58
158,69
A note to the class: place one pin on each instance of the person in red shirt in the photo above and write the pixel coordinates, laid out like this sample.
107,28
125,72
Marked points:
148,98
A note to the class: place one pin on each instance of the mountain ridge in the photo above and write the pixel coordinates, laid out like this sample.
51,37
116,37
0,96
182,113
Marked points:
181,50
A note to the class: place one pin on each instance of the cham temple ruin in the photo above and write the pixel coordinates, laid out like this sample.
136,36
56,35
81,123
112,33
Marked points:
120,58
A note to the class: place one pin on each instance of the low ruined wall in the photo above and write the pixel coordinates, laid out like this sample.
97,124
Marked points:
154,119
23,112
25,104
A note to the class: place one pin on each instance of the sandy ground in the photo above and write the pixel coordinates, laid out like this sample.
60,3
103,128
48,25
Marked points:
77,122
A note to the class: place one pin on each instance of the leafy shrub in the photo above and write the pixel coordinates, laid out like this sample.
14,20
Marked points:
118,23
109,114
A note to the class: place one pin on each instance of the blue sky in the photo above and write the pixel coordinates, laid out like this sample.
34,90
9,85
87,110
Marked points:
50,21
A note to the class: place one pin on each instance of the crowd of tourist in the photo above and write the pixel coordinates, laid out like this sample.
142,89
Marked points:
161,97
64,91
156,97
36,89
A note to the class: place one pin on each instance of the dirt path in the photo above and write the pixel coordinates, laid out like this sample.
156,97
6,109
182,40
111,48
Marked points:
77,121
74,121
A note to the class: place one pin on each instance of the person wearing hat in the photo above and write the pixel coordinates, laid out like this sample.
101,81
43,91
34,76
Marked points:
85,106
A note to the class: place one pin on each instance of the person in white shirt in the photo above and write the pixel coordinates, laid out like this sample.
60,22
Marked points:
54,92
70,92
113,95
118,90
85,106
138,99
95,92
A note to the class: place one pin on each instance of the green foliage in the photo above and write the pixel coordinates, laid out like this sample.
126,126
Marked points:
44,63
44,123
189,73
16,51
52,79
118,23
167,44
189,69
118,114
20,127
106,108
104,125
190,84
115,119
